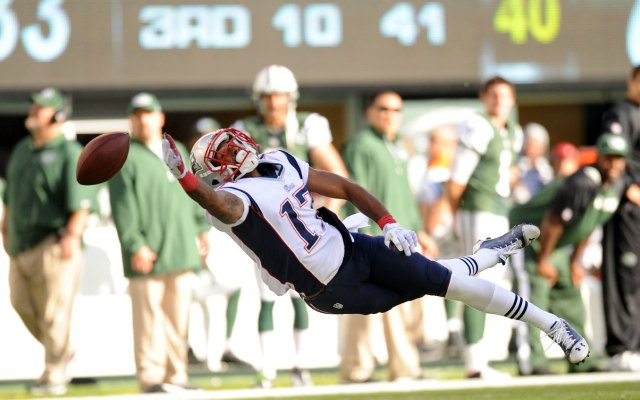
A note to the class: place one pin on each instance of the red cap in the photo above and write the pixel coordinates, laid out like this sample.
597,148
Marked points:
565,150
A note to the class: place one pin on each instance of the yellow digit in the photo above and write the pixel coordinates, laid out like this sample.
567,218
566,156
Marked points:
544,20
511,18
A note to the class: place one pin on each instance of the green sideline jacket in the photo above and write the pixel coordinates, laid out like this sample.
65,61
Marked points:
149,207
380,166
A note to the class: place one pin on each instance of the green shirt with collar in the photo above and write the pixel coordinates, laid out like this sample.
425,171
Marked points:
150,208
42,191
380,166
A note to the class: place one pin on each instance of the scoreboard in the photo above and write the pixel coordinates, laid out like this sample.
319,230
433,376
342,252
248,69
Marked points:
204,44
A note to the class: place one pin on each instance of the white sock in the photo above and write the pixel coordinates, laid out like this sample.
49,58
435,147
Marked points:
299,339
471,265
475,357
485,296
267,344
454,325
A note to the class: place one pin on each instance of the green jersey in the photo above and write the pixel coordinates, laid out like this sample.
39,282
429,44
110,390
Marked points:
301,133
580,201
488,188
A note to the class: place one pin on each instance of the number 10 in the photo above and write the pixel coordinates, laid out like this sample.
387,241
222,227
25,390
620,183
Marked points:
322,25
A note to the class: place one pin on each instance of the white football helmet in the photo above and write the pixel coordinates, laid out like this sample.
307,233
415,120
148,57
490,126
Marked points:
210,161
275,79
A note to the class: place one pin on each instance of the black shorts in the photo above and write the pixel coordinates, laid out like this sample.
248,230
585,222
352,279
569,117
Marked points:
375,279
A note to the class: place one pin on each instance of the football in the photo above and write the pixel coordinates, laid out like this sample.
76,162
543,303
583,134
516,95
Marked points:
102,158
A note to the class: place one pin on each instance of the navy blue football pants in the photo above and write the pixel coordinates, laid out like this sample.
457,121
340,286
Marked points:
375,279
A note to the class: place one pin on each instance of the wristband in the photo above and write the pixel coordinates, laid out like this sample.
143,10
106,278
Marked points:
189,182
385,219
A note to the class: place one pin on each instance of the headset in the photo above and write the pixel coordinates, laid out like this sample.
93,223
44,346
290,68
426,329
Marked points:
63,113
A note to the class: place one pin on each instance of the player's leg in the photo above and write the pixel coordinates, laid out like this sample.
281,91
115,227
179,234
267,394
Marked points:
54,302
232,311
267,371
300,375
449,246
148,332
472,226
20,276
415,276
455,342
397,277
472,264
565,301
621,280
175,304
487,251
404,358
389,270
539,294
521,330
490,298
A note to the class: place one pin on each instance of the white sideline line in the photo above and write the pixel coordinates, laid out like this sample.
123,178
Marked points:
380,387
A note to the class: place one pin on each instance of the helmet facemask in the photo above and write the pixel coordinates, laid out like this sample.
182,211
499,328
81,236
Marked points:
220,162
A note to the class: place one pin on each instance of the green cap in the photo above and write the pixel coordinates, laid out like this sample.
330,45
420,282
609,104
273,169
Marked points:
144,101
612,144
48,97
205,125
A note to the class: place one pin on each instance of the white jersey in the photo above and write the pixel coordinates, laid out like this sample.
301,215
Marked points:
279,228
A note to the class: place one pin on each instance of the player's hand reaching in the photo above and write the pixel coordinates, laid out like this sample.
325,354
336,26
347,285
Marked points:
404,239
172,157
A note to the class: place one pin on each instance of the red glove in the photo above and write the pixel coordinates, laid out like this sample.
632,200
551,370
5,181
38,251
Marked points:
174,161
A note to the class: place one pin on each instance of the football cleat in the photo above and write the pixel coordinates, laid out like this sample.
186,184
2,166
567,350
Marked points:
301,377
262,382
517,238
571,342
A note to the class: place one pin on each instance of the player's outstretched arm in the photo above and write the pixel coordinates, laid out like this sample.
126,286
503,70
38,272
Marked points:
224,206
335,186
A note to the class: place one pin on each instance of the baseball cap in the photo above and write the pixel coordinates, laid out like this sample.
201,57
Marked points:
610,143
205,125
564,150
144,101
48,97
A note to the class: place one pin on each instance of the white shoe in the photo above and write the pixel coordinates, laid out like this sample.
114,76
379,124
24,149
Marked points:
489,374
571,342
517,238
625,361
178,388
40,388
301,377
262,382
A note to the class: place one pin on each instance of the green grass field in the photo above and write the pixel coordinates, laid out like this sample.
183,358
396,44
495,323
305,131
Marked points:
607,391
242,378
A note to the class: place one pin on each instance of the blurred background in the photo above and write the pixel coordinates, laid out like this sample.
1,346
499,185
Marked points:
569,59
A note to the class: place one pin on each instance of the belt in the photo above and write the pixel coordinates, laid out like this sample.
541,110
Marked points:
313,296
